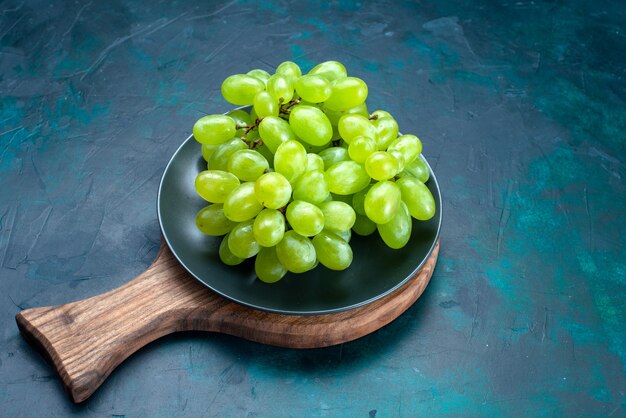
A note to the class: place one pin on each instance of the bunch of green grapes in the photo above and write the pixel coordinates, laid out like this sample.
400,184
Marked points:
291,180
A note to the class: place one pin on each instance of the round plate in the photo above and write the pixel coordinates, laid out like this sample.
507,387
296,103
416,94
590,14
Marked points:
375,271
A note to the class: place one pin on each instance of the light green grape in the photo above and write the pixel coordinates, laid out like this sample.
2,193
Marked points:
313,88
289,70
241,117
290,159
345,235
381,165
311,187
363,226
310,125
335,115
241,240
377,114
387,129
397,231
272,190
215,185
214,129
382,201
265,104
241,204
332,251
274,131
338,216
358,201
418,198
417,169
347,177
361,147
280,87
314,162
226,255
351,126
330,70
247,164
267,266
399,156
207,151
260,74
305,218
269,227
240,89
265,152
296,252
219,159
211,220
409,146
333,155
346,93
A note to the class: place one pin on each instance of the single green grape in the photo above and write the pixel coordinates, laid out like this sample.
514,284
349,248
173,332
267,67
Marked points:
382,201
267,266
219,159
387,129
409,146
418,198
207,151
377,114
296,252
311,187
247,164
241,204
314,162
265,104
240,89
361,147
290,159
215,185
310,124
347,177
289,70
241,240
269,227
338,216
397,231
265,152
214,129
226,255
333,155
313,88
280,87
381,165
273,190
305,218
260,74
418,169
274,131
346,93
335,115
354,125
363,226
210,220
241,117
332,251
345,235
358,200
330,70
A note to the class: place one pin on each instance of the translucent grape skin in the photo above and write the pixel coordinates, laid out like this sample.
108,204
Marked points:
290,159
207,151
215,185
332,251
260,74
265,104
361,147
409,146
241,117
387,129
335,115
314,162
418,198
219,158
214,129
274,131
226,255
296,252
417,169
338,216
241,204
240,89
305,218
397,232
280,87
289,70
210,220
313,88
268,267
247,165
358,201
310,125
381,165
333,155
241,240
347,177
330,70
363,226
351,126
269,227
311,187
382,201
272,190
346,93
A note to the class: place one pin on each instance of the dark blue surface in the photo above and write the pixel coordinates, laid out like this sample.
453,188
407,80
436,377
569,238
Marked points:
520,106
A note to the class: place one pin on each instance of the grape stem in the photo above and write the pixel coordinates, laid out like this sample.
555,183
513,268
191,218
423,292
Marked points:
285,109
373,117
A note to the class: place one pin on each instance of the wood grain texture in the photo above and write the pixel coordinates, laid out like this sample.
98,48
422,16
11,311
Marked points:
86,340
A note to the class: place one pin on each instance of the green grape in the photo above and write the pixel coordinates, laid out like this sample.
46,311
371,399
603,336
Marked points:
241,240
335,115
387,129
397,231
346,93
409,146
313,149
381,165
267,266
269,227
214,129
358,201
330,70
347,177
280,87
290,159
226,255
363,226
333,155
265,104
399,156
265,152
296,252
332,251
289,70
418,169
253,114
260,74
314,162
345,198
382,201
241,204
345,235
211,220
247,164
311,187
313,88
240,89
305,218
338,216
361,147
219,159
215,185
310,124
275,131
207,151
418,198
377,114
273,190
351,126
241,117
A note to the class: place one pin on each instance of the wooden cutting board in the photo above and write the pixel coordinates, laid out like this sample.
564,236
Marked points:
87,339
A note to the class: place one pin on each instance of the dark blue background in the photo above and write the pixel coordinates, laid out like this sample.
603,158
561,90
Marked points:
520,106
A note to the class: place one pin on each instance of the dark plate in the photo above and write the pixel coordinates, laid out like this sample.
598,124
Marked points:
376,270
